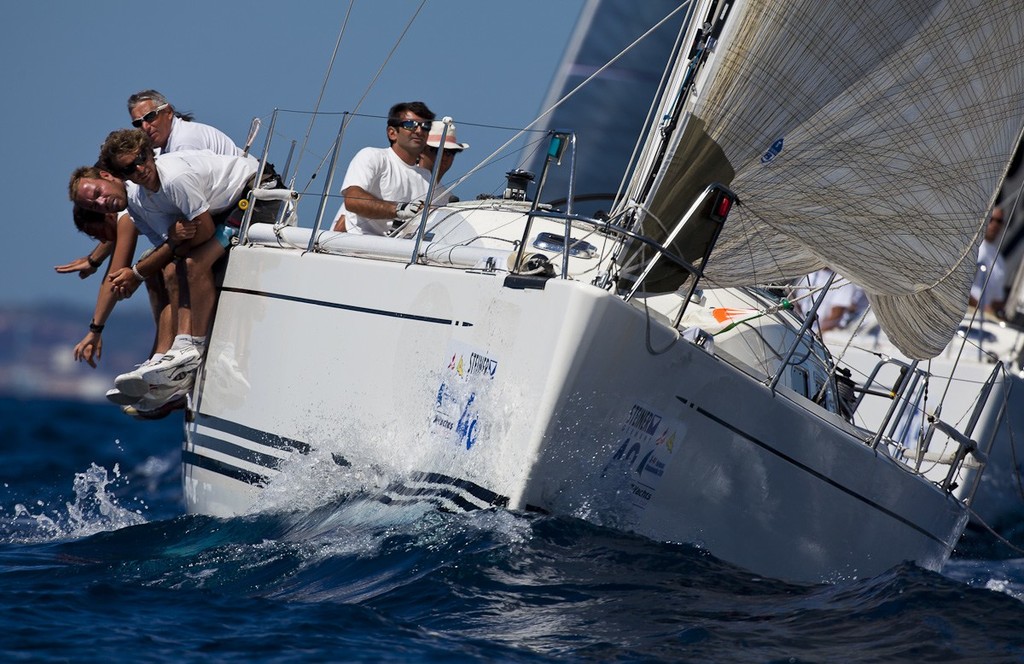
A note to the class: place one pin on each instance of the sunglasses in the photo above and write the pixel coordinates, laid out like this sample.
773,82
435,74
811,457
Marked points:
148,117
139,160
411,125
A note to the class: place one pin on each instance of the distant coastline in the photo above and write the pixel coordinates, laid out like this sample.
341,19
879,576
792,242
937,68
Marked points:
37,342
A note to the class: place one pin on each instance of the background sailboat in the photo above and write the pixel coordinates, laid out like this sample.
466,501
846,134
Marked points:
608,114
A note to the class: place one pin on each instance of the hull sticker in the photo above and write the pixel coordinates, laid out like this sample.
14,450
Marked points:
465,377
646,446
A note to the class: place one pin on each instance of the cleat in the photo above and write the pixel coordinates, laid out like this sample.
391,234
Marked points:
120,398
174,367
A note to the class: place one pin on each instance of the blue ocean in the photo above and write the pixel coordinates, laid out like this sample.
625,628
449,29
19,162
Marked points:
99,562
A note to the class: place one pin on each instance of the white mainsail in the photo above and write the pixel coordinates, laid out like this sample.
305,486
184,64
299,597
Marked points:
868,136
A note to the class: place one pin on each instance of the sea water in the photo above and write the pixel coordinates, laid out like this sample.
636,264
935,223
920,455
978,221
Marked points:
98,562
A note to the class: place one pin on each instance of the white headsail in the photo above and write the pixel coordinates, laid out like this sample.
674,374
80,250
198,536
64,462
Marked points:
868,136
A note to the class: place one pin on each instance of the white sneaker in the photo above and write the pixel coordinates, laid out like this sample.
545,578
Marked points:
176,365
160,402
131,384
120,398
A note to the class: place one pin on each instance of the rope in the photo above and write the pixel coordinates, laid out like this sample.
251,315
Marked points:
977,519
783,304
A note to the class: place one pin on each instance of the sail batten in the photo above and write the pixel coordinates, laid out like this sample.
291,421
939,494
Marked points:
870,137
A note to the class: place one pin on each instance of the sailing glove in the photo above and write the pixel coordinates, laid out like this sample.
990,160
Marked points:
406,211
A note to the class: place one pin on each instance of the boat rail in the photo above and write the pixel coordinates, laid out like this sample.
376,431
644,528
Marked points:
898,424
699,227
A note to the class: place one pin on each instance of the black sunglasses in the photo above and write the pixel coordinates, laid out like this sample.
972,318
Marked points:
411,125
139,160
148,117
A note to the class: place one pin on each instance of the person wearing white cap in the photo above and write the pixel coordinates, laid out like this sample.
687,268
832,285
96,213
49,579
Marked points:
384,186
442,195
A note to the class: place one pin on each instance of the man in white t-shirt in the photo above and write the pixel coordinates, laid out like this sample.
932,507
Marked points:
384,185
844,302
991,298
177,197
170,131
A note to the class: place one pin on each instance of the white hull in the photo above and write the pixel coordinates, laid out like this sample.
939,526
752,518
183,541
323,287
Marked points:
560,407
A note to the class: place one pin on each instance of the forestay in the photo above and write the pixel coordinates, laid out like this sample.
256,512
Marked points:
867,136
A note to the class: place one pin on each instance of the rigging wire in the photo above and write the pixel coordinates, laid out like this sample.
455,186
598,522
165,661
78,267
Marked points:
988,273
366,92
648,121
323,87
487,160
977,519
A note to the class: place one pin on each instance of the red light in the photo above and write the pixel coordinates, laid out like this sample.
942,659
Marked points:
722,207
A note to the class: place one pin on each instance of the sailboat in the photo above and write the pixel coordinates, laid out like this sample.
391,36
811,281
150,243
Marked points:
631,369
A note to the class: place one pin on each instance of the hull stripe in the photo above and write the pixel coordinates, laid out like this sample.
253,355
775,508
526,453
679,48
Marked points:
235,451
443,486
219,467
475,490
426,493
811,471
347,307
254,435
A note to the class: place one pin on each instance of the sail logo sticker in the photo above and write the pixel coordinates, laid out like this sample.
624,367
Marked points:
772,152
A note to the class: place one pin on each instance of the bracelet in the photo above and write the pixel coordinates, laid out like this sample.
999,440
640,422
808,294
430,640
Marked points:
93,327
93,263
138,275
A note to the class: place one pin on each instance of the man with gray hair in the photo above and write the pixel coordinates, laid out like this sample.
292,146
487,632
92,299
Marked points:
171,130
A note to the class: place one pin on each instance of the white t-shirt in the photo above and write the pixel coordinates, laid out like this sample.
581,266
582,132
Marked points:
988,256
197,136
381,172
191,182
843,294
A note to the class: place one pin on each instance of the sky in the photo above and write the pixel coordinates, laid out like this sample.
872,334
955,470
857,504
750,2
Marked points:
70,67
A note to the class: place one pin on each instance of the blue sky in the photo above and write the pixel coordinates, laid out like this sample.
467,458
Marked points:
70,67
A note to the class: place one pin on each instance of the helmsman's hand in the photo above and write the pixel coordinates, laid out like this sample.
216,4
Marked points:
406,211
